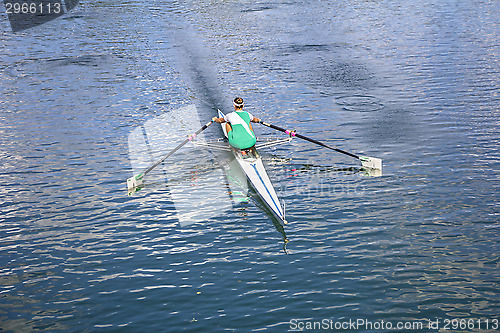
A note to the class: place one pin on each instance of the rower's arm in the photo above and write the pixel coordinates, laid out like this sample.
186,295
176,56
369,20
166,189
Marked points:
219,120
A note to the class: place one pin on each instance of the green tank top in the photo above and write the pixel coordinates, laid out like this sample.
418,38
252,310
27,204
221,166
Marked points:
240,136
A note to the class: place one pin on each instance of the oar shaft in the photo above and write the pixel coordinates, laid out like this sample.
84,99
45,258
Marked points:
134,182
326,146
189,138
293,133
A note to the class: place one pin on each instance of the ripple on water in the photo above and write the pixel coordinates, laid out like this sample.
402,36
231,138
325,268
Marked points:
359,103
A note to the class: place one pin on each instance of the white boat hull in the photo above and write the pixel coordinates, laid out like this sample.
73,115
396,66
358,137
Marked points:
260,181
257,175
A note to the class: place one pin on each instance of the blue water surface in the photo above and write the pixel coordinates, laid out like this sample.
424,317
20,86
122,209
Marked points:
415,83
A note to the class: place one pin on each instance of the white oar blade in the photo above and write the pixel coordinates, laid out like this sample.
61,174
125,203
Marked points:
135,181
371,162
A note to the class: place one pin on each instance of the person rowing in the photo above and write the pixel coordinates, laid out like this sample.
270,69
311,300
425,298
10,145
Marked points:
238,126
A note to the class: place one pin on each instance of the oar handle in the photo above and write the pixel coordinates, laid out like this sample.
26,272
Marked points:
294,133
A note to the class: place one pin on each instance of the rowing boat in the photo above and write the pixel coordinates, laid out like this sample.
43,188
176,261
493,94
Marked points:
251,163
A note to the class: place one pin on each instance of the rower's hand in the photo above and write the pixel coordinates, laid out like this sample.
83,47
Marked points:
215,119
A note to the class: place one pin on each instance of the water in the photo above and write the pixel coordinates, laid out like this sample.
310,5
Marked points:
414,83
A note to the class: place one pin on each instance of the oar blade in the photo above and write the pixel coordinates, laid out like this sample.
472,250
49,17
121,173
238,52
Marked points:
135,181
371,162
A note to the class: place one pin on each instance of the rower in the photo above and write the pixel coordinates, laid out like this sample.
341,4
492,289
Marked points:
238,126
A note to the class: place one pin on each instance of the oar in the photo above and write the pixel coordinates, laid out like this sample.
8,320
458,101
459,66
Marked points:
137,180
368,162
